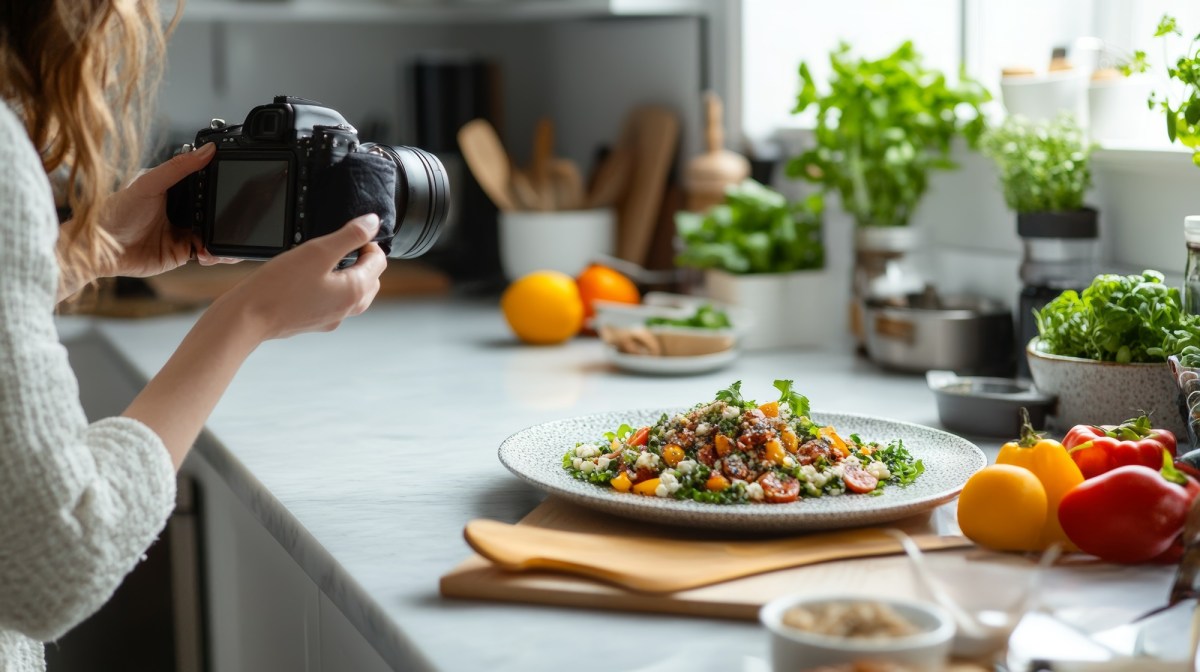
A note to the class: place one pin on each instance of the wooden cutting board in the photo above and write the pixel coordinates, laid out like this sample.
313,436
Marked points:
477,578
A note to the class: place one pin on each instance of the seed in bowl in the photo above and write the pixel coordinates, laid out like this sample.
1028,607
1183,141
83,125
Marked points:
858,620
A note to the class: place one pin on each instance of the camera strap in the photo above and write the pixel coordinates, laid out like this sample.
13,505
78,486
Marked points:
359,184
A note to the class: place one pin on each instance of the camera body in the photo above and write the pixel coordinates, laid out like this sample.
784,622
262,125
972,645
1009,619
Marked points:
295,170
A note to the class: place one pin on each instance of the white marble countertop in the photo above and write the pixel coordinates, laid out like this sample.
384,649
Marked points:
365,451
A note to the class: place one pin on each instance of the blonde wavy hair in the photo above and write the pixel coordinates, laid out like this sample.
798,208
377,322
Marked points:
82,74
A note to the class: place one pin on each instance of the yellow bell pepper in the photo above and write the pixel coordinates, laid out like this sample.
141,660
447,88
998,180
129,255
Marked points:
1053,466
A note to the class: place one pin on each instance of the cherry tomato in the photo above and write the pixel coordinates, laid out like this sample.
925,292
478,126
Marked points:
707,455
736,467
858,479
778,490
640,436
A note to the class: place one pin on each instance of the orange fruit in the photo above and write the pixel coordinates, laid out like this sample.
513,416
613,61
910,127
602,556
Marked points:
602,283
543,307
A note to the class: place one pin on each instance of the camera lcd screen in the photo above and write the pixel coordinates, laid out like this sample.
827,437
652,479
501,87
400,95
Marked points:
251,203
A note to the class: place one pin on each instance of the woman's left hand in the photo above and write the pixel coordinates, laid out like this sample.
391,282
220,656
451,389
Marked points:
136,217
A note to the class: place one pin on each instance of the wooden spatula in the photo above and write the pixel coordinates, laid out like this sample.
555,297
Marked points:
671,565
489,163
611,178
568,184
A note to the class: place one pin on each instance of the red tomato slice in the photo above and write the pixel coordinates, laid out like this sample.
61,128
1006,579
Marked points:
778,490
640,436
858,479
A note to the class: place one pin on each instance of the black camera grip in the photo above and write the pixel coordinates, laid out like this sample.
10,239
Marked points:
359,184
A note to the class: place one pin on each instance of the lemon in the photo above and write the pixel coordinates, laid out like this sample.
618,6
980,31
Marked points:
543,307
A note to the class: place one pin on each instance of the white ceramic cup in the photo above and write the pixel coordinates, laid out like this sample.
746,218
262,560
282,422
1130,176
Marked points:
565,240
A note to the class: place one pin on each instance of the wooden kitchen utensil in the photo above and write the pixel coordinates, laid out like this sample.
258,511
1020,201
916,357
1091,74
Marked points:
652,134
611,178
709,174
668,565
568,184
542,158
526,195
489,163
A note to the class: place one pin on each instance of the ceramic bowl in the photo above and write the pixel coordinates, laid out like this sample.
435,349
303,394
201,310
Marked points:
793,649
1105,393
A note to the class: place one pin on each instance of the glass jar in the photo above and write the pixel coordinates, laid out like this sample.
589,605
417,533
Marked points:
1191,282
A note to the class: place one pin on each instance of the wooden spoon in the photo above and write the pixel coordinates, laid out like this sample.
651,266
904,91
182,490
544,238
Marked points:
670,565
527,197
568,184
611,179
489,163
540,167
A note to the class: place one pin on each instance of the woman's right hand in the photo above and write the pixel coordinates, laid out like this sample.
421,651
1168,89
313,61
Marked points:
299,291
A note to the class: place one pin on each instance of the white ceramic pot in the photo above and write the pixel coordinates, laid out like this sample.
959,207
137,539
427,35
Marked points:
781,310
1117,111
1043,97
1105,393
565,241
793,649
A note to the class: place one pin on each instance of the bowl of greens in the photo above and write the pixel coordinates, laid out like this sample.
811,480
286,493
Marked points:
1103,351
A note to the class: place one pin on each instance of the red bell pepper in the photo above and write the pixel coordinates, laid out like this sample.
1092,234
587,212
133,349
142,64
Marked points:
1131,514
1099,449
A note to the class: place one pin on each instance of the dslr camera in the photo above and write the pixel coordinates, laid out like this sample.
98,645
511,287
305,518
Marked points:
295,170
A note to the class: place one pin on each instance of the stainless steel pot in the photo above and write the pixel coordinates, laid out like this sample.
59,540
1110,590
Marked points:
966,335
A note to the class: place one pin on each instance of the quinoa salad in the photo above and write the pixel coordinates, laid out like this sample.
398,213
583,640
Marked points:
736,451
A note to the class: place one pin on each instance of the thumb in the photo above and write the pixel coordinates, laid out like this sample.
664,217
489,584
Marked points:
353,235
164,176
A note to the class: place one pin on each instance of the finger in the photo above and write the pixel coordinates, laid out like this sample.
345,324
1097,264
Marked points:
371,263
355,234
164,176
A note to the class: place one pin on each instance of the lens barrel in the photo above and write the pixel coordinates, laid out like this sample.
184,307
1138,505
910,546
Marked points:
422,198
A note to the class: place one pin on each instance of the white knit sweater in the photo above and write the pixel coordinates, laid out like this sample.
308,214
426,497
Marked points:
79,503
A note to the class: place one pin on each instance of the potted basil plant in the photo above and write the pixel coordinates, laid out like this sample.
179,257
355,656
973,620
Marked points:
764,254
882,127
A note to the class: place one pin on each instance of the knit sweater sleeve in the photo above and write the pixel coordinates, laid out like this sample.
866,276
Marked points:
79,503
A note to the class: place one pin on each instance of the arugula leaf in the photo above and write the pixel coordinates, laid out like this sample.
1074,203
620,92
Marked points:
900,462
732,395
795,401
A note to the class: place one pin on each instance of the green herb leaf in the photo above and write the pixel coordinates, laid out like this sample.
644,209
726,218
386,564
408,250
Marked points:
732,395
1043,166
1167,26
794,400
705,317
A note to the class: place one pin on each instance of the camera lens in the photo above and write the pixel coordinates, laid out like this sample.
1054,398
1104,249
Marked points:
422,198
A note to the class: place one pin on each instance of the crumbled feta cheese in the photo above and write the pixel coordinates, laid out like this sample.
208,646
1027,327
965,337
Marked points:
669,479
789,461
811,476
852,460
679,419
646,460
587,451
661,491
879,470
755,492
577,462
686,466
603,463
730,412
703,429
588,467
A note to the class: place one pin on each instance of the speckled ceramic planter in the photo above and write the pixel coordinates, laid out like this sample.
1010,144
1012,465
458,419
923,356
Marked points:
1104,393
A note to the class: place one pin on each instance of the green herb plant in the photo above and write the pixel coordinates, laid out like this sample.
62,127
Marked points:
1043,166
1119,318
881,128
1182,118
756,230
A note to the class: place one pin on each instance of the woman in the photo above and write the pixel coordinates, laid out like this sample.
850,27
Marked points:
80,503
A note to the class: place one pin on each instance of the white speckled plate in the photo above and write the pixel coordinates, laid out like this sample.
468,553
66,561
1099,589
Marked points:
535,455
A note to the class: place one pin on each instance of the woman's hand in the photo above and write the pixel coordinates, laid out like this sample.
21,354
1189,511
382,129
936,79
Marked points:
136,218
299,290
